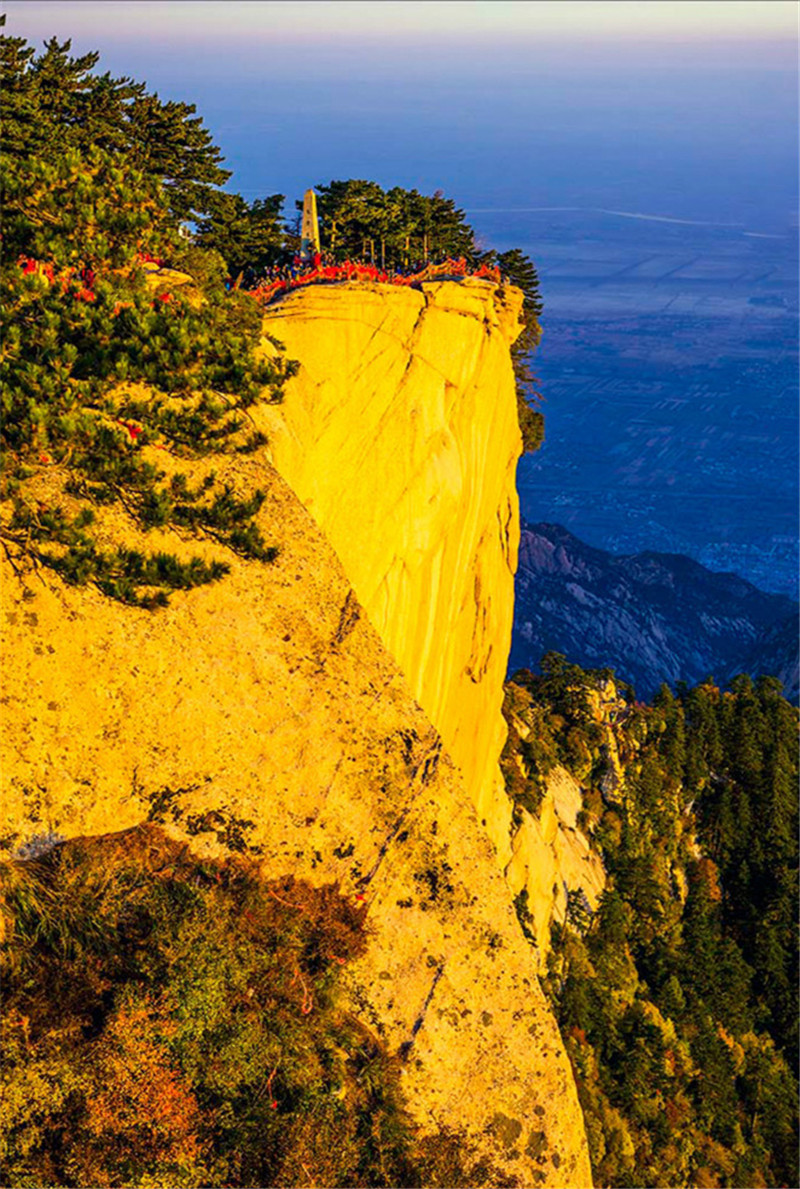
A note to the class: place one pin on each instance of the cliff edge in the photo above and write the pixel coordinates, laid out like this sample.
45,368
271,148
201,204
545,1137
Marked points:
400,435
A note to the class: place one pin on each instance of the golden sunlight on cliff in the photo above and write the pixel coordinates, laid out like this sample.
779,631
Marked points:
552,857
400,436
262,713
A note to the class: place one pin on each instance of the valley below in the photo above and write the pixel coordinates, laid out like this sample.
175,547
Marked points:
651,617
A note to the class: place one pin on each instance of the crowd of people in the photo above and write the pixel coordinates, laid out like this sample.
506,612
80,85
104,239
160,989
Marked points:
274,281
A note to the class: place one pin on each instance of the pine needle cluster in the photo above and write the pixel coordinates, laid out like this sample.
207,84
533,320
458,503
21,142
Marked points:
95,175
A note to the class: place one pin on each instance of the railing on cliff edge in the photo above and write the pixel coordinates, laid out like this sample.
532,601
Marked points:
325,274
350,271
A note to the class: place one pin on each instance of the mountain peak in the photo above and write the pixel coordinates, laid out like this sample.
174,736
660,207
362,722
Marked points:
651,616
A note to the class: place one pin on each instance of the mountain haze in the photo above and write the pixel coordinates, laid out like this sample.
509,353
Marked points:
652,617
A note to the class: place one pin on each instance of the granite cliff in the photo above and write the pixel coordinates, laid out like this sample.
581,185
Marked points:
413,400
400,436
306,712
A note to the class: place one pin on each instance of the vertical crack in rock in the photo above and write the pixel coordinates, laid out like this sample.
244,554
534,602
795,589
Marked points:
412,341
348,618
406,1046
425,771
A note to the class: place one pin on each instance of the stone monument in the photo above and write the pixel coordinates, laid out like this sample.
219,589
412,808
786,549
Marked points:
309,233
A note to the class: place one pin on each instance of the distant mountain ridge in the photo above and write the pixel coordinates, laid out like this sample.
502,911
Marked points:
652,617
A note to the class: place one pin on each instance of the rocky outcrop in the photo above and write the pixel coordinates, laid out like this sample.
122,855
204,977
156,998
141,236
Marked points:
263,714
552,857
400,436
776,653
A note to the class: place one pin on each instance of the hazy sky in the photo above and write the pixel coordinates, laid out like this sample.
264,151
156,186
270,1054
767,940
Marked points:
682,109
530,19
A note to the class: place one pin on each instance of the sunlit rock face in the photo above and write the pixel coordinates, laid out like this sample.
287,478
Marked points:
552,857
400,436
263,714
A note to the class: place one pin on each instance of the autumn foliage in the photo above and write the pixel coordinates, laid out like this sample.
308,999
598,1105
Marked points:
171,1022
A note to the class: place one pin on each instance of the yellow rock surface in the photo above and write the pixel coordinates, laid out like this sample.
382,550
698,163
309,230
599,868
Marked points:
552,857
264,712
400,436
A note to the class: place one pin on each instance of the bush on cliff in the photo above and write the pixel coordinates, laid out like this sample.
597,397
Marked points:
90,195
521,272
176,1022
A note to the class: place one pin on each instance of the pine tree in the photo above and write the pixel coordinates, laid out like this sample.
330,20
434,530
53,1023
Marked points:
359,219
521,272
244,235
55,102
79,214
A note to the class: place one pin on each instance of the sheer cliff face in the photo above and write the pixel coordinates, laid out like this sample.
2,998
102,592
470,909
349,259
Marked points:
400,436
264,714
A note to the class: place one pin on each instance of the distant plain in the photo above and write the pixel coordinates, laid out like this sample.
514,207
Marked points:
669,371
